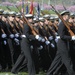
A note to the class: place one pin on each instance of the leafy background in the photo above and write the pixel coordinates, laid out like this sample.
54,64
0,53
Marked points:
69,4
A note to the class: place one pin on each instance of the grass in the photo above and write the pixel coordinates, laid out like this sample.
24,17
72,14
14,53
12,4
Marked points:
8,73
10,7
20,73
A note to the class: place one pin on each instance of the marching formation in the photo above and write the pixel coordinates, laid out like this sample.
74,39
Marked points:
44,43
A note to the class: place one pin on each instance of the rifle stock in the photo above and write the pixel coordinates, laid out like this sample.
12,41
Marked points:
2,31
20,25
55,26
16,24
65,23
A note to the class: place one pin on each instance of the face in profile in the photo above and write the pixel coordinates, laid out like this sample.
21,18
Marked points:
30,20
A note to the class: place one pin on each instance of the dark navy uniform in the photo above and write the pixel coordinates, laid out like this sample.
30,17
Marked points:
62,55
26,52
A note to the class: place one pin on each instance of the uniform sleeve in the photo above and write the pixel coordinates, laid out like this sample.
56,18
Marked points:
62,31
27,32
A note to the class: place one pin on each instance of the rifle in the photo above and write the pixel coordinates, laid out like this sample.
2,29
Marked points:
20,24
34,32
55,26
11,25
45,37
2,30
63,6
16,24
65,23
24,19
49,26
8,8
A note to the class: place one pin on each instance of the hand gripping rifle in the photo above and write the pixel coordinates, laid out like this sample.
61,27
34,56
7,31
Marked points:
65,23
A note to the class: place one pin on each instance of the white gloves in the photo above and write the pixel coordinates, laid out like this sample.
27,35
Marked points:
24,36
31,47
73,37
56,33
52,45
56,39
51,38
11,35
37,37
4,36
5,42
43,40
47,42
41,47
17,35
40,38
17,41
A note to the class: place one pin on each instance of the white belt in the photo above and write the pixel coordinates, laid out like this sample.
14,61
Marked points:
23,36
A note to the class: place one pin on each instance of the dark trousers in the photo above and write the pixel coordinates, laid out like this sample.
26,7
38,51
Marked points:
26,53
62,55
